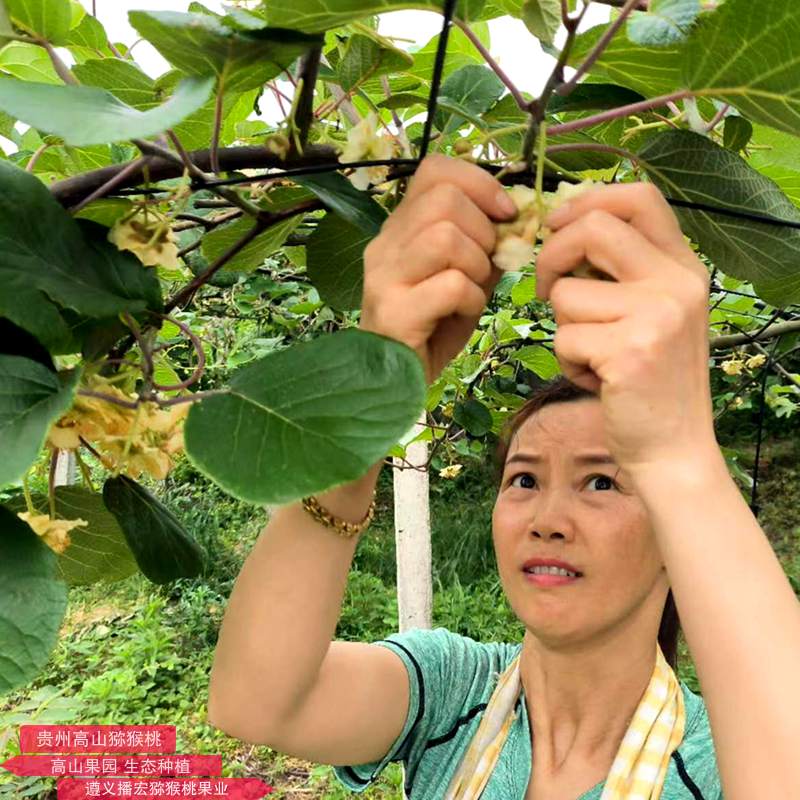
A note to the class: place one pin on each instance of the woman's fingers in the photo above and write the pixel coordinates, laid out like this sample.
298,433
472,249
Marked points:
643,206
579,300
444,201
607,242
439,246
482,188
448,292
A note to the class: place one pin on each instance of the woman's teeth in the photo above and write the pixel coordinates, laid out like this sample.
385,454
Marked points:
551,571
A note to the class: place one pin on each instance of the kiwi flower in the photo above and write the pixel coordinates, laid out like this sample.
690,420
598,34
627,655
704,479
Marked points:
54,532
364,144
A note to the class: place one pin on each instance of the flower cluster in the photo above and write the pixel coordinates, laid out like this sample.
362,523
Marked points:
54,532
364,144
147,234
136,440
450,471
516,239
734,366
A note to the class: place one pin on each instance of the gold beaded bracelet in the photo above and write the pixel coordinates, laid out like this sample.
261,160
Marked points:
343,528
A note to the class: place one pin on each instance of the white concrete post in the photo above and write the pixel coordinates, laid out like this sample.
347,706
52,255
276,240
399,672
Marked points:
413,536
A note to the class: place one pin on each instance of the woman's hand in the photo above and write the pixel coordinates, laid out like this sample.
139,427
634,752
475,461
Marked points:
427,274
641,342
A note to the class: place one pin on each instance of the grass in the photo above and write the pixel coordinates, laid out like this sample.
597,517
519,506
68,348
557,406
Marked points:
136,653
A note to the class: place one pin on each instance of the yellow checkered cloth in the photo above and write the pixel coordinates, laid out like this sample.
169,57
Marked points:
640,765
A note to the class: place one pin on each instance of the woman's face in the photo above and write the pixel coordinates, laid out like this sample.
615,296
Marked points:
583,513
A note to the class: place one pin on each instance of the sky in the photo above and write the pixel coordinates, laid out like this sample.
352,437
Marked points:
512,46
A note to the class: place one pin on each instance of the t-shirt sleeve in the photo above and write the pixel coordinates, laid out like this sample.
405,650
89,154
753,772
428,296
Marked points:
431,658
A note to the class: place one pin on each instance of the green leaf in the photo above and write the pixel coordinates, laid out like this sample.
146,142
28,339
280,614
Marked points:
665,22
221,239
335,262
749,61
780,162
542,18
162,548
472,87
737,132
365,57
339,194
473,416
89,34
651,71
307,418
97,553
32,602
199,44
47,19
122,78
524,291
32,398
689,166
28,62
315,16
83,115
54,258
538,360
593,97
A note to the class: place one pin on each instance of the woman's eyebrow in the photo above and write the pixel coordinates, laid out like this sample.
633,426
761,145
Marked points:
584,458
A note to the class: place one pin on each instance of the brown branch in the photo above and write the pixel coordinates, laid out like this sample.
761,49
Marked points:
304,112
73,190
736,339
264,221
565,88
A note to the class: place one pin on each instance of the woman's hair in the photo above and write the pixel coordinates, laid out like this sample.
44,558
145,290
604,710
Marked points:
562,390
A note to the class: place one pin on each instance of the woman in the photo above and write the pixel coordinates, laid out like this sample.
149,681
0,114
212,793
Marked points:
588,702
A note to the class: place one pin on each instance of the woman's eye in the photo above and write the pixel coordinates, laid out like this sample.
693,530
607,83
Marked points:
604,478
522,475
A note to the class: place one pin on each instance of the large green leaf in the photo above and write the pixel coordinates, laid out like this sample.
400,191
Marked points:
84,115
665,22
689,166
97,552
122,78
593,97
366,57
781,162
89,35
542,18
335,262
472,87
162,548
315,16
339,194
47,19
307,418
651,71
49,257
220,240
32,602
28,62
199,44
32,397
748,55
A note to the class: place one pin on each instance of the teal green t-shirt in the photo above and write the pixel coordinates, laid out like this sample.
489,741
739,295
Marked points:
451,678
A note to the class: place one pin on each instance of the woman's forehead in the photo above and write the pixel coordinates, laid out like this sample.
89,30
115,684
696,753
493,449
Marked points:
576,425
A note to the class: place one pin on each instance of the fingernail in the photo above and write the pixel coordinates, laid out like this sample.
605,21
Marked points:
505,205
